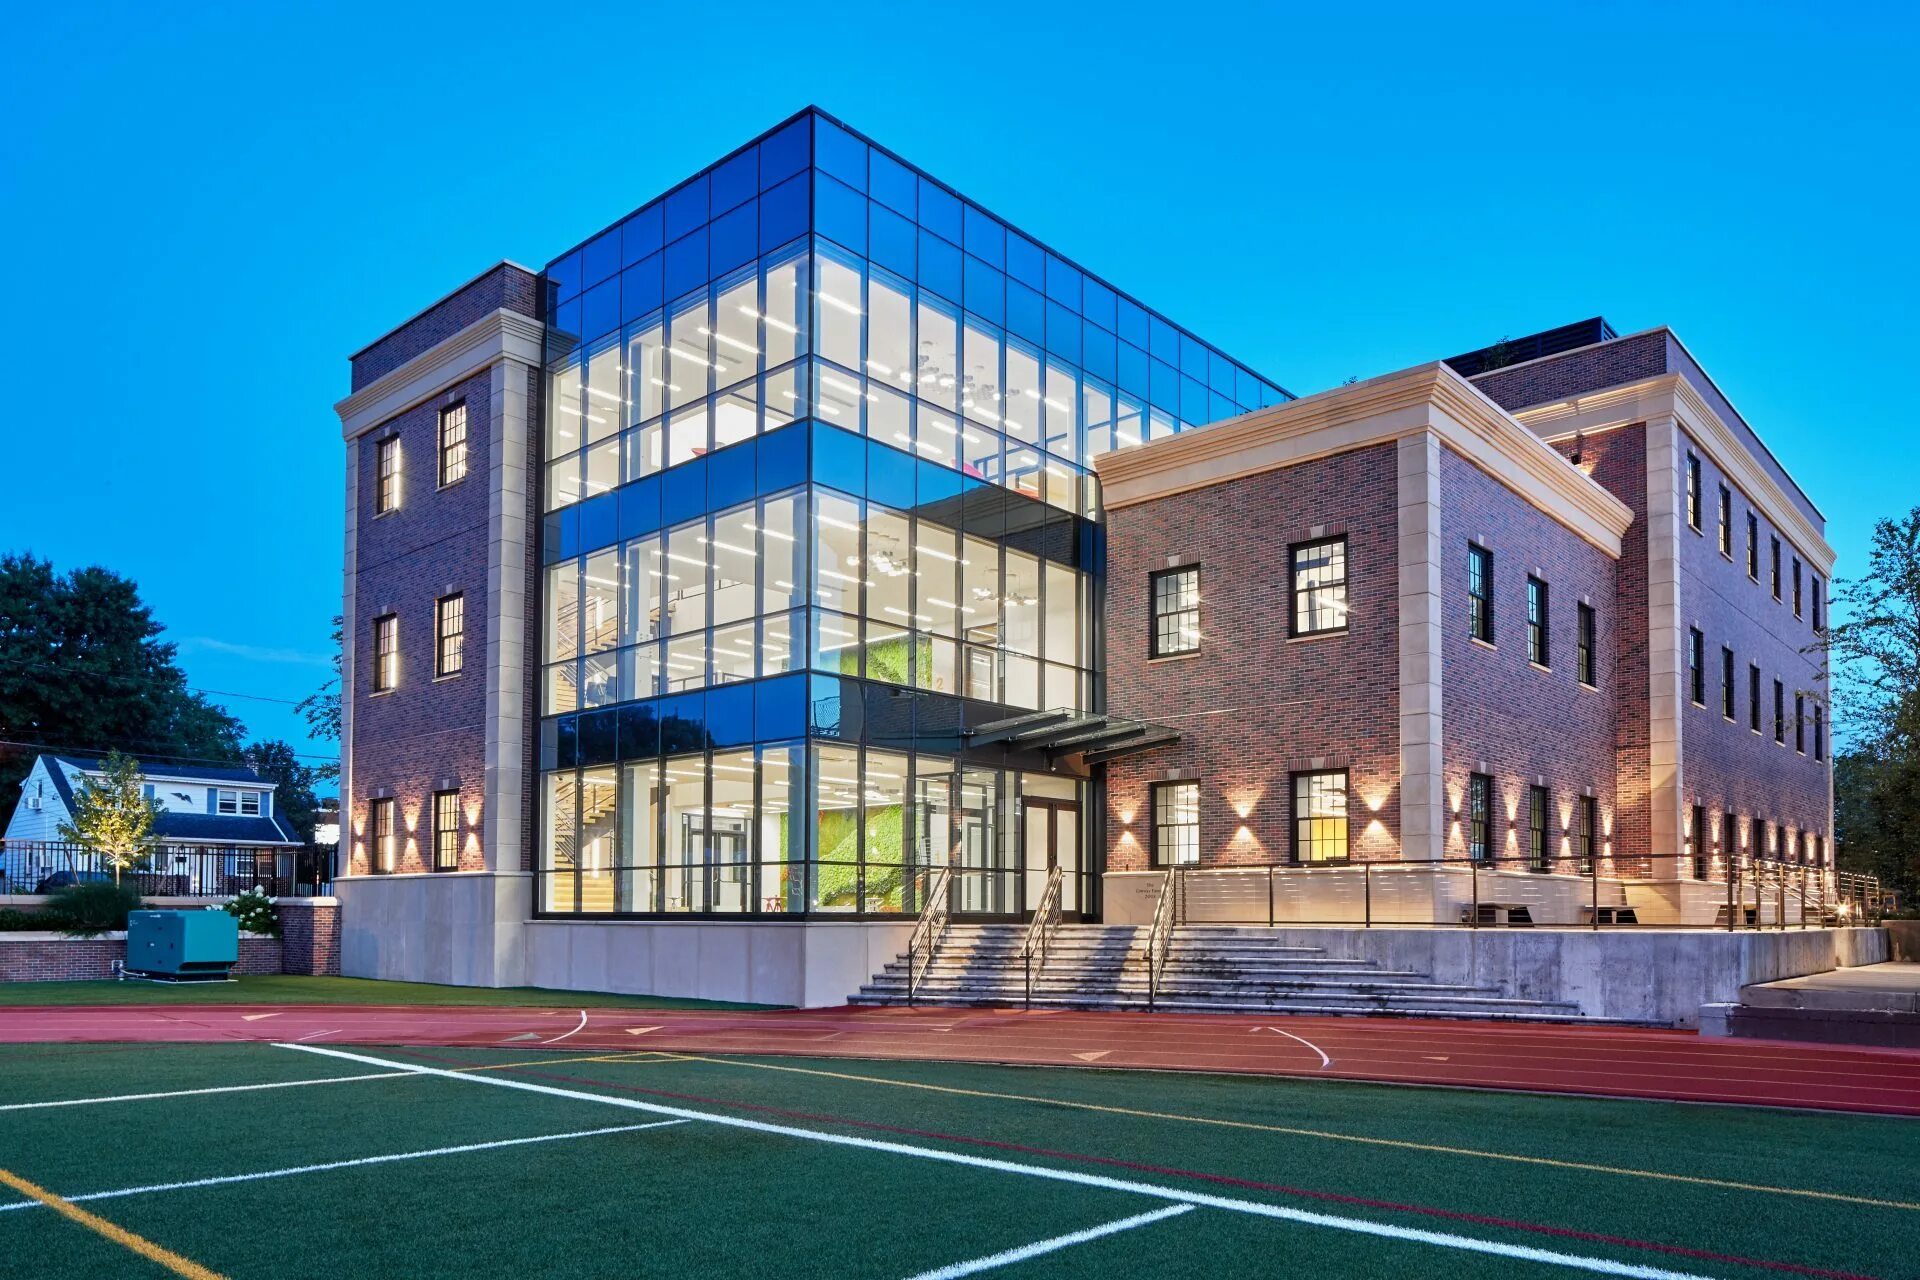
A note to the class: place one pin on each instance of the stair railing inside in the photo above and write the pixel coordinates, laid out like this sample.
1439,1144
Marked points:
1046,918
930,929
1160,935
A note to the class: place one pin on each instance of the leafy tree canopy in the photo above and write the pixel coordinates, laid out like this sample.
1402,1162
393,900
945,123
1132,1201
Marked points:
293,797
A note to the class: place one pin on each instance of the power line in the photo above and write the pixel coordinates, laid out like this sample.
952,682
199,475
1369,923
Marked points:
55,668
157,755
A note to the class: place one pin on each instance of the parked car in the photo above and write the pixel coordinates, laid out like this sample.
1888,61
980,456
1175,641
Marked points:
61,879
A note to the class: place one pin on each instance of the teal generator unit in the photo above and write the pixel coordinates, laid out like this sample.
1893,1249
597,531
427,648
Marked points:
182,946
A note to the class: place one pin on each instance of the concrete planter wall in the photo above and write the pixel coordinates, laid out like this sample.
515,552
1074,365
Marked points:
54,957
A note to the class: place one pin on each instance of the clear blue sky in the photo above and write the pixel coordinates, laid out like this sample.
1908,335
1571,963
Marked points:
206,208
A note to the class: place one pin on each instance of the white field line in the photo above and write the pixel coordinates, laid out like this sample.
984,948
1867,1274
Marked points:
231,1178
1178,1195
194,1093
1325,1061
1007,1257
576,1031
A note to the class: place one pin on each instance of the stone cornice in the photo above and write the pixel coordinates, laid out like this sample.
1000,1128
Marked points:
500,335
1673,394
1426,398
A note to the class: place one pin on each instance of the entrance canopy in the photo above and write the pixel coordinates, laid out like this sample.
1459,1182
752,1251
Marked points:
1061,732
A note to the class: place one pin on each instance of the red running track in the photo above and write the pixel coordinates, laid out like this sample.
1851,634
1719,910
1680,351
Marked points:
1534,1057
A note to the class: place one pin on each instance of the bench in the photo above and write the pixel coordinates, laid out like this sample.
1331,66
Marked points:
1610,915
1514,915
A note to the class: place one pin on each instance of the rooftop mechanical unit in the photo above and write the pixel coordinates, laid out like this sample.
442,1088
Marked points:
182,946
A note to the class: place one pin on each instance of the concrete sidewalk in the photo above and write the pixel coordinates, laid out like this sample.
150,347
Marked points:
1890,987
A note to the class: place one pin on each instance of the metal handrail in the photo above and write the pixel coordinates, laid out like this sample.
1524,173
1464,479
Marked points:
1046,918
1161,934
930,928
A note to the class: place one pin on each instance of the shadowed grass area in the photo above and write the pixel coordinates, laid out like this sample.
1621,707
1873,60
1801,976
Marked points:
295,989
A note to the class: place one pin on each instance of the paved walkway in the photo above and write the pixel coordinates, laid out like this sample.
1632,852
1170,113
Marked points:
1534,1057
1889,987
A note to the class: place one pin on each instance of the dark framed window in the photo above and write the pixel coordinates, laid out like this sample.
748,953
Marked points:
1696,667
1816,602
386,475
1800,723
1698,839
1753,546
381,847
449,635
1586,830
1320,816
453,444
1693,492
386,653
1479,593
1539,809
1585,666
1819,732
1537,632
1726,681
1775,572
1726,522
1175,595
1729,837
1759,849
1796,587
1175,811
1479,817
1753,697
1780,713
446,830
1319,586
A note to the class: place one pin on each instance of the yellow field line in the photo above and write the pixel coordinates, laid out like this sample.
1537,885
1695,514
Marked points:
1399,1143
119,1235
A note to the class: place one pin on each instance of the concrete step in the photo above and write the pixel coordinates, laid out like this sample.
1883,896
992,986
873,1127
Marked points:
1503,1010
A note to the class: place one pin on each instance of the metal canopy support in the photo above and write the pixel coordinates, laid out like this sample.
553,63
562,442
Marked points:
1064,732
1005,730
1105,754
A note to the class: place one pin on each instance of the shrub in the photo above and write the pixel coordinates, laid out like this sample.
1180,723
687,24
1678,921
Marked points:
91,907
12,921
255,912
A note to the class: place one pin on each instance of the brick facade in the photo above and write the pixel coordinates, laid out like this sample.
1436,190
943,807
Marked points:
41,958
310,935
502,286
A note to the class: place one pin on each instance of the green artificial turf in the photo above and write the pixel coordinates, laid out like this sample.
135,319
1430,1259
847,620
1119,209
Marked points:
701,1199
295,989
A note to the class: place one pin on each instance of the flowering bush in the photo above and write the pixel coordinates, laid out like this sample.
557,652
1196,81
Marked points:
255,912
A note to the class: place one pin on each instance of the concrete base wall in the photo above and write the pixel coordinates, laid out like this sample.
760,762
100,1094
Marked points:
462,928
54,957
806,963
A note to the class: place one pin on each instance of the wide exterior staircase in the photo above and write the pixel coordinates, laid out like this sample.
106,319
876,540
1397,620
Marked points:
1207,968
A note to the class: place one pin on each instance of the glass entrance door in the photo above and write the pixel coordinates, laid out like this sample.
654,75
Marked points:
1050,834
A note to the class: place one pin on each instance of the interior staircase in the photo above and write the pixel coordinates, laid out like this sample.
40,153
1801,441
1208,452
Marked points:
1209,968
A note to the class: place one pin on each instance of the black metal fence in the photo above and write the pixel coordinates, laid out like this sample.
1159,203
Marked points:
171,871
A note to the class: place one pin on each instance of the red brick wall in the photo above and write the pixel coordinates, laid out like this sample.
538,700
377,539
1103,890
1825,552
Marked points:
1254,706
505,286
83,959
310,935
1502,715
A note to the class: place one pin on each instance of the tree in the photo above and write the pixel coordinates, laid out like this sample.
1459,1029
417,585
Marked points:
82,668
293,797
1876,657
112,815
322,707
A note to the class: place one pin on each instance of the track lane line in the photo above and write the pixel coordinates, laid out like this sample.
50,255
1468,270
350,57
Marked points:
1008,1257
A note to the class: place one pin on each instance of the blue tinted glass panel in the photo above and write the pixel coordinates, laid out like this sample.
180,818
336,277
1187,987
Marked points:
1063,282
939,212
642,234
891,240
1219,373
1026,261
985,290
783,213
687,208
935,483
889,476
940,266
840,213
565,276
687,263
640,507
600,310
1218,407
732,476
1193,400
1099,304
986,238
838,455
599,522
683,492
1246,388
892,183
550,538
840,153
730,715
732,240
783,154
569,544
1133,323
642,287
1193,357
783,458
599,738
833,708
683,723
1164,386
780,707
1026,312
563,331
1165,340
639,731
566,737
736,180
1133,369
601,257
1063,331
1097,350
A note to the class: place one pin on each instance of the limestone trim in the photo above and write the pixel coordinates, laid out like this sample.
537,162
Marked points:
1673,395
1426,398
349,625
500,335
1665,663
509,553
1422,806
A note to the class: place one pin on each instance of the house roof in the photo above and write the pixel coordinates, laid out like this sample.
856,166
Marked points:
218,829
184,772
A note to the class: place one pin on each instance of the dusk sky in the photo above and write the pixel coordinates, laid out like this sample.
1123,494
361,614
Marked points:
206,209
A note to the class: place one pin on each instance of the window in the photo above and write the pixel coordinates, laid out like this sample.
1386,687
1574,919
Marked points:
1480,593
386,653
453,444
1696,667
1753,697
1537,622
1780,713
446,830
383,835
449,635
1320,816
1176,611
1693,492
1586,816
1759,849
1584,663
1753,546
244,804
1726,522
1816,602
1320,586
1796,587
1698,839
1819,732
1176,823
1539,803
1729,837
1479,817
1800,723
1726,681
386,475
1775,575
